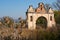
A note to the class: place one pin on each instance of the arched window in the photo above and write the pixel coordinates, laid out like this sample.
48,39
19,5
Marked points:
31,18
51,18
41,7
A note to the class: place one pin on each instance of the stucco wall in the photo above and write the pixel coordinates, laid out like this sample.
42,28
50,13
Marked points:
32,24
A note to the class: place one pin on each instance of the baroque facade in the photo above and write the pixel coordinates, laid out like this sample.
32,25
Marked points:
33,14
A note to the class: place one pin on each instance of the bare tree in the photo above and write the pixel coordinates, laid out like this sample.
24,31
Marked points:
47,6
57,5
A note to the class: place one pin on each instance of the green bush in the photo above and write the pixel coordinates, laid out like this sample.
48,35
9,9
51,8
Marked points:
57,16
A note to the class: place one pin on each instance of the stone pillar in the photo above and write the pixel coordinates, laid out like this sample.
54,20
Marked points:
51,23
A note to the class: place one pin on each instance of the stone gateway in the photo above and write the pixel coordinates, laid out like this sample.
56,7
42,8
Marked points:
33,14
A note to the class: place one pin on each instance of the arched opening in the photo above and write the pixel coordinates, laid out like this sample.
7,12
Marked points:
41,22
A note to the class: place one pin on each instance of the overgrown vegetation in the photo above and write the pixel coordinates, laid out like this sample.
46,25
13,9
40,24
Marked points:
9,30
57,16
25,34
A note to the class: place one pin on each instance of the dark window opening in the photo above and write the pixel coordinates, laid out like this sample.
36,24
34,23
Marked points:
31,18
41,8
51,18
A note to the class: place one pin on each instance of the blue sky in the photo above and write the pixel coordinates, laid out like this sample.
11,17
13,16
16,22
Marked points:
17,8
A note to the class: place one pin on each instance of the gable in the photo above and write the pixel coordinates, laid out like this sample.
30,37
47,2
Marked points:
41,8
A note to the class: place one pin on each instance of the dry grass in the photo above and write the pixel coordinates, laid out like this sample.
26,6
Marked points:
7,33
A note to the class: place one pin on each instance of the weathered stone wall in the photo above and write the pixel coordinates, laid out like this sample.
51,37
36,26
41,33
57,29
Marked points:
32,24
36,13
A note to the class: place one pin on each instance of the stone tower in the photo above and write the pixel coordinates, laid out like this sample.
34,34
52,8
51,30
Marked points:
33,14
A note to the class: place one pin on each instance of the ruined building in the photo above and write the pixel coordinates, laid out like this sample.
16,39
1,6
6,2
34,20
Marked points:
33,14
